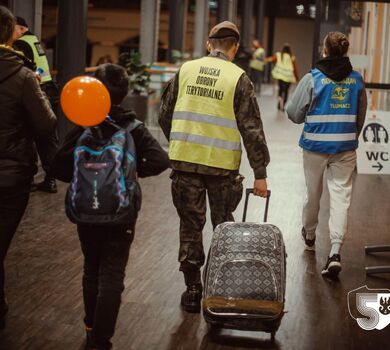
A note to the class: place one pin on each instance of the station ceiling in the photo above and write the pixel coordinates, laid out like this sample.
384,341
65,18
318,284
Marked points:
281,8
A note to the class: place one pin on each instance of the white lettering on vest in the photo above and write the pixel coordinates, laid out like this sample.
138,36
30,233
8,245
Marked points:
349,81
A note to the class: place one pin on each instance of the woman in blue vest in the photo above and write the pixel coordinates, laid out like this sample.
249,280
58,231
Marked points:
332,102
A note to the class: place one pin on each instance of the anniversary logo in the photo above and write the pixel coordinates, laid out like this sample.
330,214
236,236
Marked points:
370,307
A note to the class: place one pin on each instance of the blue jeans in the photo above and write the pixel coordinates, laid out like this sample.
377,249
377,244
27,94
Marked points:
106,252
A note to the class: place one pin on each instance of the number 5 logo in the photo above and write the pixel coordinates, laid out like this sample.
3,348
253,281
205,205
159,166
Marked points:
372,304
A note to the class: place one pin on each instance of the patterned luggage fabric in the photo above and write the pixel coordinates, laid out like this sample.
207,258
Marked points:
245,277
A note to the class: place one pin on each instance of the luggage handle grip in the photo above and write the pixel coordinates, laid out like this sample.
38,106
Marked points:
249,191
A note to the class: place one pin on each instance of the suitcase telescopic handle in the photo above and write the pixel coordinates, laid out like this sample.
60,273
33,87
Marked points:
247,193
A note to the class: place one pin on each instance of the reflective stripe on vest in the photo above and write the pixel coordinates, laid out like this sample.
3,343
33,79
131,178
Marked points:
39,57
208,119
257,61
204,128
330,125
329,137
335,118
284,68
204,140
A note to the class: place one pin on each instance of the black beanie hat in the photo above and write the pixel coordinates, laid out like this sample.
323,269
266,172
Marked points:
21,21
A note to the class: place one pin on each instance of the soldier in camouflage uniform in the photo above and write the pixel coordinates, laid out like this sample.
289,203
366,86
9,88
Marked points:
190,121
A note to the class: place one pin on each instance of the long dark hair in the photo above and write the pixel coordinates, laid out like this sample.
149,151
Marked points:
286,49
7,25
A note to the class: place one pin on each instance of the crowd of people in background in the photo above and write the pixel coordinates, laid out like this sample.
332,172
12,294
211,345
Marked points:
284,71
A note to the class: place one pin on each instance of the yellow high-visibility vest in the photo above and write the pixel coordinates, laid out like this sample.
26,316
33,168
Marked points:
39,57
284,68
257,61
204,128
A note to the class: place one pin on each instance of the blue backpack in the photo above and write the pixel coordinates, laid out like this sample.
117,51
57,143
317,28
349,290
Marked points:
104,188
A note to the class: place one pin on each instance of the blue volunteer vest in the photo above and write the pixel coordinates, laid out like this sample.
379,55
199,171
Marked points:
330,125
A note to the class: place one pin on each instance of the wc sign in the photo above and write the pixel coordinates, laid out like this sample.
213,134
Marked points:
373,154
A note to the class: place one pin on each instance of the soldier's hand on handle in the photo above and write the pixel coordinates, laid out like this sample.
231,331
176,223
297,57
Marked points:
260,187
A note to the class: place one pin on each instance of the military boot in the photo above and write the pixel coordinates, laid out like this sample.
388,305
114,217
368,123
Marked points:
191,298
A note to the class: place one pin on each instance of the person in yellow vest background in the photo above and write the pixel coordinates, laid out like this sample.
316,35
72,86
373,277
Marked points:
206,109
285,72
28,43
257,65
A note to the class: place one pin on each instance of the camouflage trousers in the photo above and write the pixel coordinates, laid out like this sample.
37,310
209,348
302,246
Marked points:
189,197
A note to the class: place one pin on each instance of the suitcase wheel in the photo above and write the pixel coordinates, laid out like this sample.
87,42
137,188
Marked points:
273,336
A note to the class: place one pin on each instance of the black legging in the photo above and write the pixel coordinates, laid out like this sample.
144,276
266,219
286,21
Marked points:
106,251
47,149
13,203
283,91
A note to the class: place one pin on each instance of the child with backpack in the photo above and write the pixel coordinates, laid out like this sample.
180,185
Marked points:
103,200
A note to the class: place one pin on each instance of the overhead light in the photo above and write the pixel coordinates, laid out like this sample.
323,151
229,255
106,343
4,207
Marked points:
312,11
213,4
300,9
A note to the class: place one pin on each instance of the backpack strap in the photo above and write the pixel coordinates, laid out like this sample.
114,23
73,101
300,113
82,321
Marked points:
134,124
95,130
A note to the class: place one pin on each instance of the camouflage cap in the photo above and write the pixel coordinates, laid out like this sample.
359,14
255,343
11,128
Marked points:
224,30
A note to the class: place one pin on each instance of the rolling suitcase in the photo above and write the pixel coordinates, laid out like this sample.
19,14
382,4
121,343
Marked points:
245,276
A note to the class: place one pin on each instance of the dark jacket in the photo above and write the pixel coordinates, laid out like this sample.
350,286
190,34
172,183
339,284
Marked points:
248,119
151,158
25,118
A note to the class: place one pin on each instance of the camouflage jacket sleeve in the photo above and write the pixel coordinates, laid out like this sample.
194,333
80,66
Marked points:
168,101
251,127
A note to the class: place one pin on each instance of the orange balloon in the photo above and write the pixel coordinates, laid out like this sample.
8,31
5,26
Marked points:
85,101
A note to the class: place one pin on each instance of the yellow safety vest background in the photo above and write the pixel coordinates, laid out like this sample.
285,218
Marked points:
257,61
284,68
204,128
39,57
